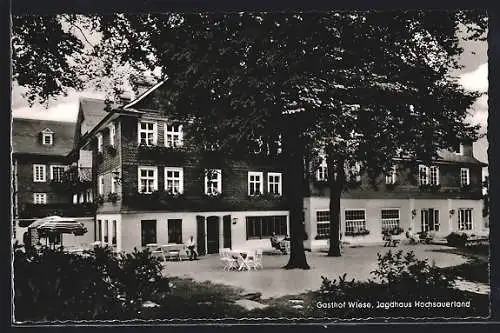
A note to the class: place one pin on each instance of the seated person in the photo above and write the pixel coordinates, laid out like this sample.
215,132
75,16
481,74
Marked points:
192,248
274,241
411,236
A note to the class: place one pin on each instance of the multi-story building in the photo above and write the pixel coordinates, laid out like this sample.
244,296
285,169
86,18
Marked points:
153,187
41,156
441,197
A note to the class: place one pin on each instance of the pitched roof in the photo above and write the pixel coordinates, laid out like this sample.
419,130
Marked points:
448,156
93,111
26,136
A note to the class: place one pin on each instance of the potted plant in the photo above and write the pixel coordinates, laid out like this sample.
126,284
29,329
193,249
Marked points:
113,197
111,150
359,232
99,199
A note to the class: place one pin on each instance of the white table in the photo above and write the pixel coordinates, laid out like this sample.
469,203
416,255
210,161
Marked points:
243,256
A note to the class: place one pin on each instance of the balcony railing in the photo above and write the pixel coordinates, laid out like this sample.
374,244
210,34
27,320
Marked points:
76,175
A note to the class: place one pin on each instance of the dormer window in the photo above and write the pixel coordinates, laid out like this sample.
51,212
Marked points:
458,149
47,137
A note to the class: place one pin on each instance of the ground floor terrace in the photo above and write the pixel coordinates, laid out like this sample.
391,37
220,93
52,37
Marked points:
211,231
272,281
364,220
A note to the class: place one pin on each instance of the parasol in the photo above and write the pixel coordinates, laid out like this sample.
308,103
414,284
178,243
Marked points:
59,225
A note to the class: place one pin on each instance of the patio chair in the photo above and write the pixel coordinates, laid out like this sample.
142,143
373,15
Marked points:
227,259
256,261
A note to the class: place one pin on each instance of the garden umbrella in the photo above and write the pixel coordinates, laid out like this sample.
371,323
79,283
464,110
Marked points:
59,225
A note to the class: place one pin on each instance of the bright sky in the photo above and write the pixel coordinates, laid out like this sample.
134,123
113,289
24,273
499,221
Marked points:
474,76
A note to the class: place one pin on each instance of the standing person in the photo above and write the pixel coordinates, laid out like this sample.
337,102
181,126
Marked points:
191,247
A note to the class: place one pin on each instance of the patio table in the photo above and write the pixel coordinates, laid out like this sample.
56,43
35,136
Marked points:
243,257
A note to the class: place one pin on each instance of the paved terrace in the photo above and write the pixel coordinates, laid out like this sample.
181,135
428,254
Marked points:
273,281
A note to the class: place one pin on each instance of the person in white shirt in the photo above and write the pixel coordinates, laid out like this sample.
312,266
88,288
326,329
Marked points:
192,248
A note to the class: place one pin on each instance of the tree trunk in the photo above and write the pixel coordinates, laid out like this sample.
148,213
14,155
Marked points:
295,184
336,185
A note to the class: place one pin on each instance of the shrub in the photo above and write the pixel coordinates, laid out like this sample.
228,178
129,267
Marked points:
113,197
457,240
54,285
399,281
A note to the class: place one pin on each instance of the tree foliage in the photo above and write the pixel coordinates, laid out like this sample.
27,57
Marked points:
365,86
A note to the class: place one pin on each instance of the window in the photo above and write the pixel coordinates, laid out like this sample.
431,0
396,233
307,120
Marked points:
148,232
390,178
274,183
322,171
147,133
57,173
113,239
147,179
99,231
458,149
355,221
434,175
47,139
39,173
100,182
354,172
429,219
99,142
264,226
173,135
465,219
423,175
106,231
464,177
112,132
213,181
40,198
174,180
175,231
113,184
255,183
389,218
323,223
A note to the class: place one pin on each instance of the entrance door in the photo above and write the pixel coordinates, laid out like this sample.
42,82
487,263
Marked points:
200,235
212,234
226,230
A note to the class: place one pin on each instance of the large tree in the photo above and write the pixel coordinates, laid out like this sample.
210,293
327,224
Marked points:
357,80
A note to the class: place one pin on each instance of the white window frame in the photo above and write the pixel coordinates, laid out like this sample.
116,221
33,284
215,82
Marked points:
113,184
391,178
322,223
52,167
272,184
390,223
51,139
426,225
460,150
154,132
178,133
467,172
181,178
100,184
43,179
99,142
423,170
436,169
40,198
322,171
112,133
261,182
218,188
355,221
155,178
464,225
